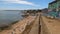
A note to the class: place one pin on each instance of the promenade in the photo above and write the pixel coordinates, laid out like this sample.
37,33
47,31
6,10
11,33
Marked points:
33,28
50,26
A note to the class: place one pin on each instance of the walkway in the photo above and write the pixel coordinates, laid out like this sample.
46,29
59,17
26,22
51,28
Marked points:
50,26
33,28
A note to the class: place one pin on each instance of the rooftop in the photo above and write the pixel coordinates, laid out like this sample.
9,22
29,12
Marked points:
53,2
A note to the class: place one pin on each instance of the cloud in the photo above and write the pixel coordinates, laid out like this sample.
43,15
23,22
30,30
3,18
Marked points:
19,2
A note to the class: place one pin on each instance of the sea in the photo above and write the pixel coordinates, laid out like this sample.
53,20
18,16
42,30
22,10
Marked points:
9,16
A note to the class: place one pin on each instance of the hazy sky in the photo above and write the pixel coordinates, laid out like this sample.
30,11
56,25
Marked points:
23,4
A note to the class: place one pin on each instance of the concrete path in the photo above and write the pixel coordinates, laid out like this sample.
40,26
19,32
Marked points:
33,28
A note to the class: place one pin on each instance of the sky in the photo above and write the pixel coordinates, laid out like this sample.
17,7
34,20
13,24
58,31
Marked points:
23,4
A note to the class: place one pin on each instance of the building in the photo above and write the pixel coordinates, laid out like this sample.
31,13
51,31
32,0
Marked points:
45,10
54,8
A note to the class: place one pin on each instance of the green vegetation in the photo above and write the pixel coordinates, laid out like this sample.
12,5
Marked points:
26,13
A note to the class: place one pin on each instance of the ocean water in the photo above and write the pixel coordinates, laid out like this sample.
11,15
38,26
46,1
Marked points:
7,17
